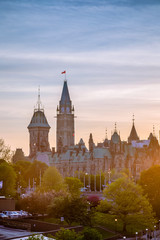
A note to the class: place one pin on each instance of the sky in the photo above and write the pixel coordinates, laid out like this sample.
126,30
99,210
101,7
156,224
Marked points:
110,50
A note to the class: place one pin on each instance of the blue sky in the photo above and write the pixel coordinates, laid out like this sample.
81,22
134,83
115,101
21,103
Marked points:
110,50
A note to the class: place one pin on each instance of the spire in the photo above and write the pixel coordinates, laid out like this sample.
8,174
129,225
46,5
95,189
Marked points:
106,134
153,130
65,98
115,130
133,119
133,134
39,104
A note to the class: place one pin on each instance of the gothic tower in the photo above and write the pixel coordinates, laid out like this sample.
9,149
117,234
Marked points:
38,130
65,120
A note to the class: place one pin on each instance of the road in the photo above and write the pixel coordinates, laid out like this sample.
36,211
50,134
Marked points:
11,233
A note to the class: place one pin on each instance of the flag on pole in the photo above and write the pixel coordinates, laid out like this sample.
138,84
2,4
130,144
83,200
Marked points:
63,72
1,184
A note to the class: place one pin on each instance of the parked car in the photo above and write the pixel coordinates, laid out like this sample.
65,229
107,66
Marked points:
3,216
10,214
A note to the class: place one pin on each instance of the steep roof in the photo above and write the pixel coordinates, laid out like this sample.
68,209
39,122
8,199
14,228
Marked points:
133,135
38,120
115,138
65,98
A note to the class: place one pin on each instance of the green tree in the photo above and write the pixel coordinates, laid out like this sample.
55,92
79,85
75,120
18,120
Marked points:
5,151
36,203
128,203
150,182
66,234
8,177
52,180
90,234
35,171
21,167
73,185
72,209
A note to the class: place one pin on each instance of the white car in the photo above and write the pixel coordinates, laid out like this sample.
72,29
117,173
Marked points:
10,214
3,216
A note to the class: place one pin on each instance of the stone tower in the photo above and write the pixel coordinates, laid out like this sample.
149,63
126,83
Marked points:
38,131
65,120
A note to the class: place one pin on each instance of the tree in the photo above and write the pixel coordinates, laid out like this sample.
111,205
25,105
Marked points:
94,200
66,234
5,151
37,202
21,167
35,172
72,209
8,177
150,182
73,185
128,203
90,234
52,180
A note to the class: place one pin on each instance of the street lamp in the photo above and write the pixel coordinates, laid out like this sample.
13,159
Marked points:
124,237
136,235
109,173
146,233
154,232
85,179
115,224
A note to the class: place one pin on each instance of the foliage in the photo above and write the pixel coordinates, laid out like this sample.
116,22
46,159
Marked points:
35,171
52,180
150,182
21,167
90,234
36,202
104,206
94,200
66,234
5,151
37,237
73,185
86,234
72,209
8,176
128,203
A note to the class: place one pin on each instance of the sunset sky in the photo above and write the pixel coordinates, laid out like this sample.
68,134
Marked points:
110,50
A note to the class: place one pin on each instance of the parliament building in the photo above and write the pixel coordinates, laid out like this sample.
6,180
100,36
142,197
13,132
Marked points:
72,159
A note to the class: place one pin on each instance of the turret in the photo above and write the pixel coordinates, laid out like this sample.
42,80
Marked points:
38,130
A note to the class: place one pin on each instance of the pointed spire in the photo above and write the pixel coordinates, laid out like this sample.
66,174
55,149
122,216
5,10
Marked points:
65,98
106,134
133,134
133,119
115,127
39,99
39,104
153,130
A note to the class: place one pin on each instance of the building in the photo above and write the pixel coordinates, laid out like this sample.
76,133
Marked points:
72,159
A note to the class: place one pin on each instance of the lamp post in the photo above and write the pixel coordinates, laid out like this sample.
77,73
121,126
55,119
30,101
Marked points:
100,183
95,183
124,237
109,173
136,235
146,233
85,179
154,232
115,224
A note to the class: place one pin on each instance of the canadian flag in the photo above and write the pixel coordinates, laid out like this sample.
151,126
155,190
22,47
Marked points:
63,72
